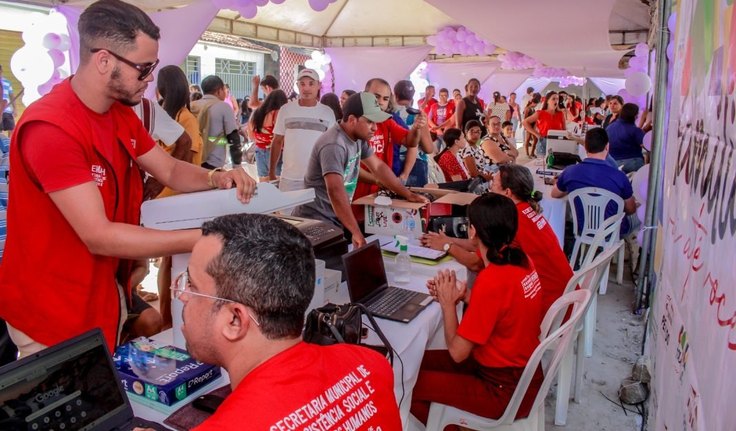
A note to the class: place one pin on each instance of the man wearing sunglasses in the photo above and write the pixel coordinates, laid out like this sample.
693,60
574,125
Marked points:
77,188
248,285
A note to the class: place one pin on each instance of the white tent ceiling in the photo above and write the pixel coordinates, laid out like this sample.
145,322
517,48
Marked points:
573,34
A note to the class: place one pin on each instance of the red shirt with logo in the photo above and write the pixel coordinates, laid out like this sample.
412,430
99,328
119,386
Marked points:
52,286
441,113
310,387
503,315
536,237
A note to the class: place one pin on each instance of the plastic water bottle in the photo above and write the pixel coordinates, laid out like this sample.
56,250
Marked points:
403,261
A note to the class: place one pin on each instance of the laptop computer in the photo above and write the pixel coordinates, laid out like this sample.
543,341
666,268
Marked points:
368,285
70,386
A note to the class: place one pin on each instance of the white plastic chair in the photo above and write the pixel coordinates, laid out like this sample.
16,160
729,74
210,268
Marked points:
557,341
594,201
588,278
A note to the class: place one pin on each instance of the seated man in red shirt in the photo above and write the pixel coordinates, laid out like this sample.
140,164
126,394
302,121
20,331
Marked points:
488,350
248,285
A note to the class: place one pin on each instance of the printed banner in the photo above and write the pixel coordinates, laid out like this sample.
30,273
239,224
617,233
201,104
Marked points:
694,323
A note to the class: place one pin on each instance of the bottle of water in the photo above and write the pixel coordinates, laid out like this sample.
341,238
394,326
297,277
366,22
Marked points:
403,261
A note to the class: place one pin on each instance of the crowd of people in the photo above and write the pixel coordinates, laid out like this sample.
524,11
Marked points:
76,203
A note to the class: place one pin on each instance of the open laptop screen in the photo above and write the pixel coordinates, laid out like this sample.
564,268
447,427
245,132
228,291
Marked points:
364,271
71,386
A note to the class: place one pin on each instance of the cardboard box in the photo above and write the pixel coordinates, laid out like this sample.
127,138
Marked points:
164,374
408,218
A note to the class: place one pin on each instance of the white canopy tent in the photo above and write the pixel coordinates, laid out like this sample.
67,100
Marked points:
368,38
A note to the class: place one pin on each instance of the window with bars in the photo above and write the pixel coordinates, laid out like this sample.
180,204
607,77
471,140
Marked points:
193,69
225,66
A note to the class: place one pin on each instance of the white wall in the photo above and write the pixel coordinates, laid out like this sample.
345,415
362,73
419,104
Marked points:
209,51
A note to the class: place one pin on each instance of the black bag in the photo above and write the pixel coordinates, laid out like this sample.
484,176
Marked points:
334,324
558,160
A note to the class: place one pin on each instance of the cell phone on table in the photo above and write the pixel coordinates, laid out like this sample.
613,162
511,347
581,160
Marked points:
550,180
207,403
413,111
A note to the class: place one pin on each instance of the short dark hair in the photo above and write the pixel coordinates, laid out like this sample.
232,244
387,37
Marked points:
496,221
529,89
404,90
444,90
506,123
618,98
472,123
114,25
374,80
628,112
270,81
211,84
596,140
266,264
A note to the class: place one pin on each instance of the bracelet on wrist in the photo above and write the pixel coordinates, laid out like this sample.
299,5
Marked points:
210,176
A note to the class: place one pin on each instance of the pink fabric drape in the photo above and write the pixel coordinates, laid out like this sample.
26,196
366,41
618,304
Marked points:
355,66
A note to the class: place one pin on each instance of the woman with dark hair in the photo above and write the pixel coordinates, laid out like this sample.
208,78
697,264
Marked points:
488,350
530,141
615,105
470,107
550,117
173,87
261,130
535,235
626,140
344,96
499,107
449,158
476,162
499,148
331,100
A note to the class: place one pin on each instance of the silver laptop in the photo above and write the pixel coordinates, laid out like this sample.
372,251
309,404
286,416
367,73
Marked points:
368,285
70,386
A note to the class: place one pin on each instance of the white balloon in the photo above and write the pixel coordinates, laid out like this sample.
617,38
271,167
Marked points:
316,55
640,184
65,43
311,64
326,59
321,74
31,66
647,141
638,84
30,94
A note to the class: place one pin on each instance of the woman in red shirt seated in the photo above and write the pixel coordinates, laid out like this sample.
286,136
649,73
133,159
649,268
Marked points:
449,158
486,352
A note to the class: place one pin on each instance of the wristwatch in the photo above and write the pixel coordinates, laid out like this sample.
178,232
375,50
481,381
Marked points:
447,246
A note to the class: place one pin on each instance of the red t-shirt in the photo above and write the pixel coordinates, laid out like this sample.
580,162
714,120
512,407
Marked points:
451,166
536,237
67,165
503,316
310,387
387,133
547,122
441,113
431,102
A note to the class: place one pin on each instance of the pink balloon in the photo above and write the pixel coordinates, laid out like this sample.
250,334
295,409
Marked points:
57,57
638,84
318,5
261,3
223,4
51,41
641,49
670,51
460,36
248,11
672,22
45,88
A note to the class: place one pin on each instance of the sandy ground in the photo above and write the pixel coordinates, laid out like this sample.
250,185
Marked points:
616,347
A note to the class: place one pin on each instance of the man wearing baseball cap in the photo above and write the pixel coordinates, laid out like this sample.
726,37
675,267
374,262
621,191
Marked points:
333,167
297,127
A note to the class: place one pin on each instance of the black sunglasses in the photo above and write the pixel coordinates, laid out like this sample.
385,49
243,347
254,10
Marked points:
144,69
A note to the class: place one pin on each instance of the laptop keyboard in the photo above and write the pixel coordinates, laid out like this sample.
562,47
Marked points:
391,301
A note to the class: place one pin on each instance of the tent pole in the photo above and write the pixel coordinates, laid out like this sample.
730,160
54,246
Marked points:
646,267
